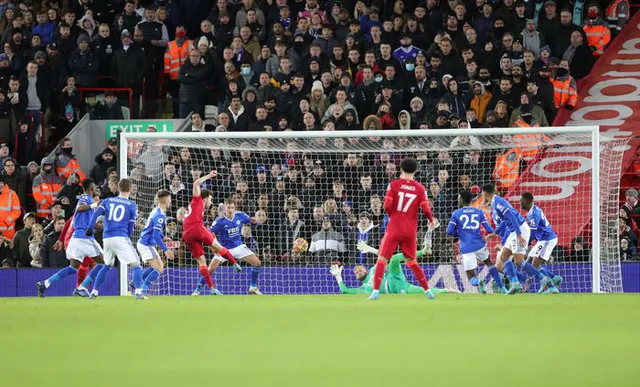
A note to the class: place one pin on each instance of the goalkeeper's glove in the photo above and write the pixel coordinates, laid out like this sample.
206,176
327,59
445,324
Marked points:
89,232
336,271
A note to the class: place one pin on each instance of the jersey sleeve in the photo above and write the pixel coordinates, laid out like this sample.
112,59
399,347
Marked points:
424,203
485,223
451,227
84,200
215,227
388,199
345,290
133,215
158,228
100,210
244,218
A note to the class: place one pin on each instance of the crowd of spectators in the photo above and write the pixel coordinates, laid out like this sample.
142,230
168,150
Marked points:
280,65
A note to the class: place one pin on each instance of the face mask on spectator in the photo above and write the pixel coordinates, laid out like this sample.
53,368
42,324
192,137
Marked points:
245,71
561,72
378,79
409,66
181,34
593,14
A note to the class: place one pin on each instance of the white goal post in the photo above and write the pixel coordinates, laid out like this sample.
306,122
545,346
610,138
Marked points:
580,153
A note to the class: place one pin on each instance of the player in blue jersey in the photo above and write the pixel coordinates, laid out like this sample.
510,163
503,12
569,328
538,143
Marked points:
152,236
516,243
80,245
546,240
119,219
227,229
465,224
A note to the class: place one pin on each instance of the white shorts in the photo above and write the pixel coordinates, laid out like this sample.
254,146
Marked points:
147,253
120,247
78,248
512,240
470,260
543,249
238,253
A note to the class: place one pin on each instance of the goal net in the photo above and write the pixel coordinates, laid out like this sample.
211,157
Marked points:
325,190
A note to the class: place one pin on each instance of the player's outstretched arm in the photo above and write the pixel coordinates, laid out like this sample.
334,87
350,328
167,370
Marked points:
198,182
99,211
83,206
451,228
336,272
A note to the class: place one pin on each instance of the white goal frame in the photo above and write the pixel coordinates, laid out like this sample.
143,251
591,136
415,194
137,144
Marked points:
593,131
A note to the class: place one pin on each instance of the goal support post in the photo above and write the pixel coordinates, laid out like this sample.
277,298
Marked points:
585,138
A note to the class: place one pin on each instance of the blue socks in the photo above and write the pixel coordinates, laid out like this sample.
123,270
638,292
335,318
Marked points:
255,273
137,276
510,271
545,270
100,277
521,277
529,268
495,274
60,274
146,272
148,281
92,276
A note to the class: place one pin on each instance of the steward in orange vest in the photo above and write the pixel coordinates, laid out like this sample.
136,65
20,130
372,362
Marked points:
45,188
9,210
529,144
565,90
618,15
175,56
66,162
507,169
597,31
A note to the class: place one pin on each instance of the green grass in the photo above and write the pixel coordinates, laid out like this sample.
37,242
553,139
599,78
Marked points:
457,340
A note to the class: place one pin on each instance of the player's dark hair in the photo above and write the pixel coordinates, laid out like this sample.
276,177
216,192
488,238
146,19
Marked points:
409,165
86,183
163,193
528,196
124,185
465,197
205,193
489,188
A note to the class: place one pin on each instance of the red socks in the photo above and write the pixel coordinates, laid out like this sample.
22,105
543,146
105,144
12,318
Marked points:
417,271
227,255
204,271
377,278
83,270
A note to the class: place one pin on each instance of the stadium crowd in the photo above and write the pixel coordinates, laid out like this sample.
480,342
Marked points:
278,65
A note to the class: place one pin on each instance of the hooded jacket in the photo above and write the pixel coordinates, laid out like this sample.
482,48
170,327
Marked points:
99,171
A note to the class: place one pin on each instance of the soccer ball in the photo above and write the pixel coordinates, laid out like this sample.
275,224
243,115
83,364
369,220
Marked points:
300,245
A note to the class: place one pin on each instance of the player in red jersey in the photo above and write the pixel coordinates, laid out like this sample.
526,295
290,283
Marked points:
195,234
404,198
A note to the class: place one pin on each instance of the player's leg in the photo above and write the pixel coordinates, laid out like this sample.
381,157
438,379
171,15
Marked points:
409,246
194,240
509,267
60,274
540,254
387,247
469,265
101,270
127,254
96,256
150,255
224,253
495,275
256,266
83,270
215,262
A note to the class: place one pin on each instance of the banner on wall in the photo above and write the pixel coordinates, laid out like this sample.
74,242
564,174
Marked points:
608,97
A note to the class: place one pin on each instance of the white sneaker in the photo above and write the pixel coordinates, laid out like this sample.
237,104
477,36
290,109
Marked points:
195,293
255,291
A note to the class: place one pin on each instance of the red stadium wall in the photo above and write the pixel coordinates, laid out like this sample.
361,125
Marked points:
610,98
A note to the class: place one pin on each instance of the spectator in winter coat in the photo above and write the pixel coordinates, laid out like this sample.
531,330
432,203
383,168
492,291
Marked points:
129,66
14,178
26,146
579,56
480,101
21,242
83,63
105,160
7,119
193,84
49,256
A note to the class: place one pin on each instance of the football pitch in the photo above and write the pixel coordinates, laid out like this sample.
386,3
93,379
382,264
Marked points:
456,340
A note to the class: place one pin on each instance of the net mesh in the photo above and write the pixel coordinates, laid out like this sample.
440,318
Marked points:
292,186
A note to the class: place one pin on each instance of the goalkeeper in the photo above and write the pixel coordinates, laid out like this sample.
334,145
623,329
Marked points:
393,282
